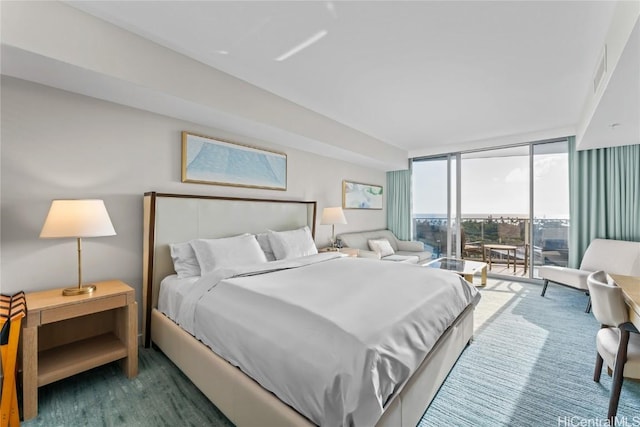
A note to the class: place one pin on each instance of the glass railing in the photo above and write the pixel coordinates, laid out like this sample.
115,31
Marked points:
432,232
549,242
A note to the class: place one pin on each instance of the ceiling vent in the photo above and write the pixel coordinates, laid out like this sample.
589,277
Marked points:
601,70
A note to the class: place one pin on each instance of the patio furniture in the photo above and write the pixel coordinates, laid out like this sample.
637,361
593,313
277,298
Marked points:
469,249
502,250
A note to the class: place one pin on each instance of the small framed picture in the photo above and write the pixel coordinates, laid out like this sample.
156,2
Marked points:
356,195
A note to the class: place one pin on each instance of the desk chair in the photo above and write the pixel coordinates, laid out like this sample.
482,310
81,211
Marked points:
618,341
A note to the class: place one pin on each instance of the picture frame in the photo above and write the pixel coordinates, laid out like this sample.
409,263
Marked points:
207,160
357,195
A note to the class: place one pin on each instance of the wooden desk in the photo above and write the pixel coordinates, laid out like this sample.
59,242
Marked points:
631,290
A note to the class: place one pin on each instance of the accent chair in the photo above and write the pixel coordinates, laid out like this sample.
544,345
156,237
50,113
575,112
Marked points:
613,256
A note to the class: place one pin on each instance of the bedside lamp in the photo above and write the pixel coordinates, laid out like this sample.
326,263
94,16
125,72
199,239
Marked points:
77,218
333,216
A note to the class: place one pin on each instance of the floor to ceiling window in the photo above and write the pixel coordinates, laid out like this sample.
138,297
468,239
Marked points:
432,216
551,204
513,206
495,208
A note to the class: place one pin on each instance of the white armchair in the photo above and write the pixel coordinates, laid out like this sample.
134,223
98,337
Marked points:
612,256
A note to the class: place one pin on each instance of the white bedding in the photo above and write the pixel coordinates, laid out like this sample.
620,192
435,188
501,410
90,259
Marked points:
333,337
172,291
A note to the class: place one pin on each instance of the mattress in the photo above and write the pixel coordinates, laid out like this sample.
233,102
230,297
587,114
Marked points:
335,338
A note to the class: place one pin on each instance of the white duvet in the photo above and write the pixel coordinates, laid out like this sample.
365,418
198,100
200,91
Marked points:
333,337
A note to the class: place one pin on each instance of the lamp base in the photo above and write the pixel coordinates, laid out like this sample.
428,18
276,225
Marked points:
79,290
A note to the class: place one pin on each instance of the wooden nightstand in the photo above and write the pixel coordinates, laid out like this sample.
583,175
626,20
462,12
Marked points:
352,252
65,335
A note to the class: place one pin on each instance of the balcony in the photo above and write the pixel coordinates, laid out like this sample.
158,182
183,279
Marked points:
549,242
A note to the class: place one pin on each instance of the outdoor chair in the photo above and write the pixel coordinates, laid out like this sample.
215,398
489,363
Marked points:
471,249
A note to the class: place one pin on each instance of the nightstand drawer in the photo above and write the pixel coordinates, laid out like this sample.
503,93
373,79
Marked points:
87,307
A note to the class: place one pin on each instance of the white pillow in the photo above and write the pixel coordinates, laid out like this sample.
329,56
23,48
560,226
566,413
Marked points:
292,243
382,247
184,259
227,252
263,241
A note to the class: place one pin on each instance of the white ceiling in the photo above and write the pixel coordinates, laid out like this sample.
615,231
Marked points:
387,80
416,75
616,121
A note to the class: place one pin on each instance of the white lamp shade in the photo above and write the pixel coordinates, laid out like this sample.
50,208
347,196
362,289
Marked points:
77,218
333,216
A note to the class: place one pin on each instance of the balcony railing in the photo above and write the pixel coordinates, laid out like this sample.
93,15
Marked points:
549,241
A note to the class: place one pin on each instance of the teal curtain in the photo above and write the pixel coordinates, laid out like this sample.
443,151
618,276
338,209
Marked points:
399,203
604,192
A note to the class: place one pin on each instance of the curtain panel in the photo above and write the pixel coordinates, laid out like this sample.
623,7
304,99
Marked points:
399,203
604,192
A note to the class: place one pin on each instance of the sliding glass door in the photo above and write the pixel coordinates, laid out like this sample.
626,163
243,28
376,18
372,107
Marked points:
495,208
551,204
507,206
434,187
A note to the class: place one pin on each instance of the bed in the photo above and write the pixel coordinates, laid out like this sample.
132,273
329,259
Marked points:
172,218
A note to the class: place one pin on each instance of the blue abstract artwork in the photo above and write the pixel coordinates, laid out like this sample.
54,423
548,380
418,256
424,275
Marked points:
356,195
210,161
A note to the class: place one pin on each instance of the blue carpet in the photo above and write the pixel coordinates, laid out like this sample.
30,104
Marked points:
159,396
531,364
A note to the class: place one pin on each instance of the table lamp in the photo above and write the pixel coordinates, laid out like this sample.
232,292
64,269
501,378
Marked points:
333,216
77,218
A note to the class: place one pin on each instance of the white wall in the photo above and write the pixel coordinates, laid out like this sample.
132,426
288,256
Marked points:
54,44
57,144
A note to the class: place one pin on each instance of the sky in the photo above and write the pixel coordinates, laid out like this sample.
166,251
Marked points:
496,185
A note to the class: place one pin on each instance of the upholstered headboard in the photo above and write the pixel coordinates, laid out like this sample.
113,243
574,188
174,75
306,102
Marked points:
175,218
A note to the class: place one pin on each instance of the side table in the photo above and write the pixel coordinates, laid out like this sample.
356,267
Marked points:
66,335
352,252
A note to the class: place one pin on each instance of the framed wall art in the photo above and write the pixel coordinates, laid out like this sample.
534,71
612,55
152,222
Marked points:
356,195
207,160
